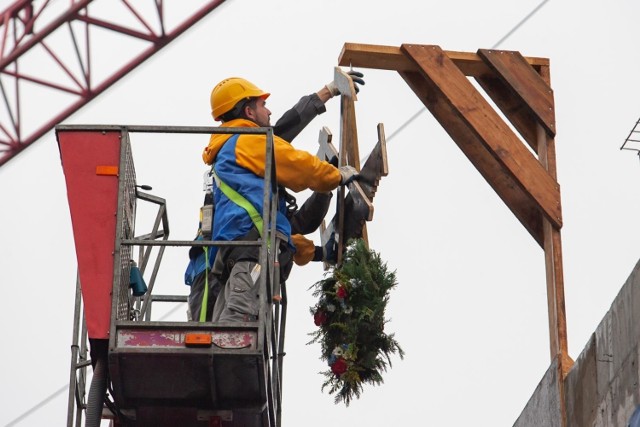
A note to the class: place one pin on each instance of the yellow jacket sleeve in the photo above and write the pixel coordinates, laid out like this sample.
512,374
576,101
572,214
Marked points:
295,169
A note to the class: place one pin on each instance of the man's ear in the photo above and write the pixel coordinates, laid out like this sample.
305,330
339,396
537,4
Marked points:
248,112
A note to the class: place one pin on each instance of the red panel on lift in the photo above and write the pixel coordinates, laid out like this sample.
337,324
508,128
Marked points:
93,201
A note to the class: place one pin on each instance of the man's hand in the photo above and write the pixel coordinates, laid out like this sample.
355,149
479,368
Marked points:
347,174
356,77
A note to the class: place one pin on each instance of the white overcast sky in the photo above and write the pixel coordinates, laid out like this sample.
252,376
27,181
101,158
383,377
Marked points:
470,309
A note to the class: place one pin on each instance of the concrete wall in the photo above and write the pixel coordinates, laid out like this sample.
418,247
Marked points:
602,388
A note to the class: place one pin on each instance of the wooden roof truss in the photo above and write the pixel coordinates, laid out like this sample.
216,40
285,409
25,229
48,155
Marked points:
523,176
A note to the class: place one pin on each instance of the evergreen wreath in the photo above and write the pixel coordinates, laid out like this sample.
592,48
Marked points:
350,314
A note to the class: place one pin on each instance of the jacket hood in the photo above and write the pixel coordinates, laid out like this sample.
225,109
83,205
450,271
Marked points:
217,140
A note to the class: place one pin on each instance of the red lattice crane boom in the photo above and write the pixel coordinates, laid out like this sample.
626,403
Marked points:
52,56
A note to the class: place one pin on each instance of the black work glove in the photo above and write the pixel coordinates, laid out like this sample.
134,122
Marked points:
356,77
330,250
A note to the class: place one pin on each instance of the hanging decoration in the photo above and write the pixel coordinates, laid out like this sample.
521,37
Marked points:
350,316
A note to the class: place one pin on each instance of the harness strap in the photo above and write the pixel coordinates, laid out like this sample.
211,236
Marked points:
205,294
239,200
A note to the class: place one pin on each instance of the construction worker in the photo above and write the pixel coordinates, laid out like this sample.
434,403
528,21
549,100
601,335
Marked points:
238,165
303,221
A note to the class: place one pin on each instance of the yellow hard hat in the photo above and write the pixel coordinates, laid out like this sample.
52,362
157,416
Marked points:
226,94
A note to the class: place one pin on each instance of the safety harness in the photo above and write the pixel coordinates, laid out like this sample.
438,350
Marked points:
256,218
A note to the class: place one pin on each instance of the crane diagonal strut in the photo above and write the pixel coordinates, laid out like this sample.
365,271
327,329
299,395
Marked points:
49,51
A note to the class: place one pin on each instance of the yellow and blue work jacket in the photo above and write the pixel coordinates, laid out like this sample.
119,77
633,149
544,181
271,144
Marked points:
239,162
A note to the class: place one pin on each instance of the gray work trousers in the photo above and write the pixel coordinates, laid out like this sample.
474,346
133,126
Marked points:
238,268
240,299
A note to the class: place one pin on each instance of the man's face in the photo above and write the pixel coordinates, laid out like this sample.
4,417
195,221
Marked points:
258,112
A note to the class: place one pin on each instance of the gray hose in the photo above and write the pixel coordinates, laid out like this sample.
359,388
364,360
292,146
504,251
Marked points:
97,393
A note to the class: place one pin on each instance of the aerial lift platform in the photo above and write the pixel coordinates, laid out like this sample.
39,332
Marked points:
158,373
